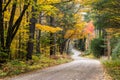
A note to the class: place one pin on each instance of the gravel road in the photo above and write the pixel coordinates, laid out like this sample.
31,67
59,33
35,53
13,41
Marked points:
79,69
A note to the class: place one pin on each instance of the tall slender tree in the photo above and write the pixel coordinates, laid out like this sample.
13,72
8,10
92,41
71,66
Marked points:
30,44
1,26
52,38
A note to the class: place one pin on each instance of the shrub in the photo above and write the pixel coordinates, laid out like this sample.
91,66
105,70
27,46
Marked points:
14,67
97,47
113,68
35,58
116,52
87,52
3,57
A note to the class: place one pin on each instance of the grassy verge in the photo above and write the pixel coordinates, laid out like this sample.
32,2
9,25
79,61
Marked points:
91,56
16,67
113,68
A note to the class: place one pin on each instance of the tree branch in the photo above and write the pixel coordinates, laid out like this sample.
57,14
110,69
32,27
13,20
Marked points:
9,32
4,9
17,23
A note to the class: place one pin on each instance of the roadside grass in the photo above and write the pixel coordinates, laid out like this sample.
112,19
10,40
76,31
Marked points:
87,54
91,56
113,68
16,67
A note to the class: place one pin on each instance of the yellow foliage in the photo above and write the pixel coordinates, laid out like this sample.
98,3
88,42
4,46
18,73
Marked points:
48,9
48,1
6,16
110,30
48,28
60,15
80,25
77,32
88,2
69,34
113,31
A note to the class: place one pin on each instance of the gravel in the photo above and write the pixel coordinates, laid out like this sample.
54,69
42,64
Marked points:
79,69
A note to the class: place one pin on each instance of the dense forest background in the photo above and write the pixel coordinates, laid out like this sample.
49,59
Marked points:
48,29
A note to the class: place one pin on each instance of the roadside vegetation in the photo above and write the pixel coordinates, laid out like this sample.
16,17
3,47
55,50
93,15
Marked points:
16,67
113,65
113,68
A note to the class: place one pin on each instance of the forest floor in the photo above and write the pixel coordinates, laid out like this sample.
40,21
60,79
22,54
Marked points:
79,69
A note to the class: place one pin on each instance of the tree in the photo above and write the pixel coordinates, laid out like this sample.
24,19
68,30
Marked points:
66,20
13,26
52,39
30,45
1,26
105,14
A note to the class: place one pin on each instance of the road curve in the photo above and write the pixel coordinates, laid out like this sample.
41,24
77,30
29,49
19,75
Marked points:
79,69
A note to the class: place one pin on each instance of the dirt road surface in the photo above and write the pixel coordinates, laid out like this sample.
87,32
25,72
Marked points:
79,69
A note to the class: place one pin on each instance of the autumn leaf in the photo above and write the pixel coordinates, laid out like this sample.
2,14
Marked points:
48,28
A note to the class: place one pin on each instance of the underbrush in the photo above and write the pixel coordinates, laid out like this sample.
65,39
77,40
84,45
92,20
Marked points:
91,56
88,54
16,67
113,68
97,47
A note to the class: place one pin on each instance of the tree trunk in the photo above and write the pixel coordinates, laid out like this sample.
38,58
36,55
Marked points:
19,45
68,47
9,33
20,36
30,43
2,57
62,45
38,35
1,27
81,44
108,46
52,39
12,29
